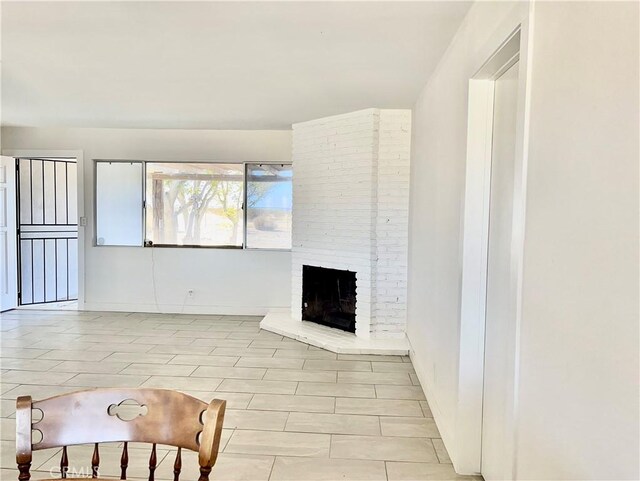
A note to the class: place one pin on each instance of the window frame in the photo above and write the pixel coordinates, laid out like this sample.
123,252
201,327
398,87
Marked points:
245,166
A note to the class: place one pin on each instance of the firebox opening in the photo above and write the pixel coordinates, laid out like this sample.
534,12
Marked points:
329,297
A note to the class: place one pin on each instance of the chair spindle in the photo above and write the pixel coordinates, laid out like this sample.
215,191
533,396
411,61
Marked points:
24,468
177,465
124,461
95,462
153,461
204,473
64,463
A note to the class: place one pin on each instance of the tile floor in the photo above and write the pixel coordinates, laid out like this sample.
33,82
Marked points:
294,412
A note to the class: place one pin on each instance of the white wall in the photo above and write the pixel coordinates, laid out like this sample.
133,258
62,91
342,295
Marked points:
122,278
577,400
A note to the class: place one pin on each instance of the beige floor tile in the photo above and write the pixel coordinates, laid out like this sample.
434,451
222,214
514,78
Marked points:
300,375
38,392
426,409
106,380
125,339
204,360
379,407
36,377
304,354
331,365
425,471
392,378
385,391
229,372
264,387
279,443
336,390
109,348
7,408
179,382
392,367
159,369
72,355
284,344
6,387
27,364
441,451
105,367
37,335
199,334
281,402
254,335
21,353
314,469
235,351
7,429
258,420
333,423
166,340
6,343
8,474
414,379
8,456
269,362
285,399
147,358
382,448
189,350
409,427
229,467
237,343
235,400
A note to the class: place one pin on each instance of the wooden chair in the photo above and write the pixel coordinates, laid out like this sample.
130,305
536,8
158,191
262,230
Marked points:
155,416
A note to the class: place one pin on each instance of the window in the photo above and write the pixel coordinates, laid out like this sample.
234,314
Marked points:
193,204
269,206
119,203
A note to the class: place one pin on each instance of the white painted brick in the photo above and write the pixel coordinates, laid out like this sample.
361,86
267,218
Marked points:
351,196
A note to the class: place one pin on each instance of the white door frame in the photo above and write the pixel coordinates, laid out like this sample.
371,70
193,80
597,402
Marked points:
468,434
79,156
8,177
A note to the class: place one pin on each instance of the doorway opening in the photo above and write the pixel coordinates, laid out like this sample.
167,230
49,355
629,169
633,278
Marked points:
47,232
492,257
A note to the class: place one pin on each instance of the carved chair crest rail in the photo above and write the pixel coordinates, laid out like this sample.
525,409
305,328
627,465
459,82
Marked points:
94,416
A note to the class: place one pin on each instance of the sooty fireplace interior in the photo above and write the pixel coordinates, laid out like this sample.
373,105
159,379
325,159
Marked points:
329,297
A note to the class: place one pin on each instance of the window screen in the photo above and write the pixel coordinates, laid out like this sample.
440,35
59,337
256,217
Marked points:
119,203
269,200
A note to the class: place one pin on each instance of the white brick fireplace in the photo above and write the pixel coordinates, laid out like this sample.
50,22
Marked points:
350,212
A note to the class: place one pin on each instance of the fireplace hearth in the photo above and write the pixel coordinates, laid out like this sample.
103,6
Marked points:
329,297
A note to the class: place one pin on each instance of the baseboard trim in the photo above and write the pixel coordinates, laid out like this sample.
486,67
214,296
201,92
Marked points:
443,427
178,309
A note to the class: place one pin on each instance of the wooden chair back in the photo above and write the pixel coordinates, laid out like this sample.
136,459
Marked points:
155,416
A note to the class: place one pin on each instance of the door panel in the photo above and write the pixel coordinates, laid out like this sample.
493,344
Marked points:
8,253
48,230
500,322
